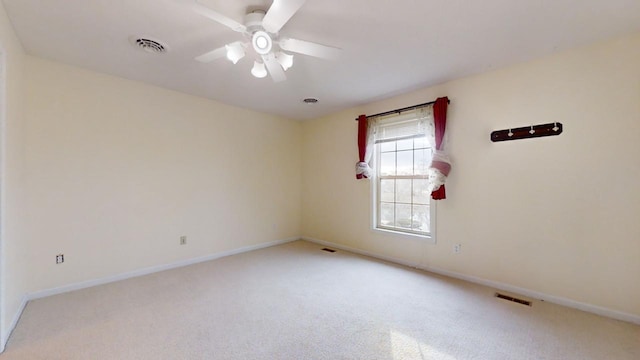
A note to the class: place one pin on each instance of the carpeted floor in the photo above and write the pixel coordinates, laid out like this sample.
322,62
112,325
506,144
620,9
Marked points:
296,301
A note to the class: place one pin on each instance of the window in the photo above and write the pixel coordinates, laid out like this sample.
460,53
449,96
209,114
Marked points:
402,193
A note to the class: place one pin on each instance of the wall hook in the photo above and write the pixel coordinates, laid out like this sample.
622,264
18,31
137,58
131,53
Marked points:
526,132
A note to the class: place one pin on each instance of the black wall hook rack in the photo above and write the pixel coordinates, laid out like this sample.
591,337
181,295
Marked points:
533,131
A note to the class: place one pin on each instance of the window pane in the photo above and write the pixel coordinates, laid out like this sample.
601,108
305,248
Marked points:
405,162
421,192
419,143
386,214
403,216
422,158
405,144
421,217
403,196
388,163
387,190
403,191
388,146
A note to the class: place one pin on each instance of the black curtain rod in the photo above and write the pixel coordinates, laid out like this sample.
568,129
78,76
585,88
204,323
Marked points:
398,111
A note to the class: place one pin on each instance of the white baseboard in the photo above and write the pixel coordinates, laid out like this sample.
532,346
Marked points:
14,322
152,269
614,314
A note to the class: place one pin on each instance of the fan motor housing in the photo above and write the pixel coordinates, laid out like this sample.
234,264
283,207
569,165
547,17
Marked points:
253,20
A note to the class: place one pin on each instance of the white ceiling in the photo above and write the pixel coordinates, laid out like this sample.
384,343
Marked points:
389,47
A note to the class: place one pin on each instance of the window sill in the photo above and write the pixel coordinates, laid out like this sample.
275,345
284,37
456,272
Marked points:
426,238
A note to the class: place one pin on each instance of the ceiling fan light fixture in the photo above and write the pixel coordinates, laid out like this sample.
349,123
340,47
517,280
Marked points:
261,42
258,70
285,60
262,29
235,52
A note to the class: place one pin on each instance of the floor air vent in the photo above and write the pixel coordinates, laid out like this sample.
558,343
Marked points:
328,250
513,299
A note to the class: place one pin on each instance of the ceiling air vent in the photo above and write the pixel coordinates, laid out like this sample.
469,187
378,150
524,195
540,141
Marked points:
149,45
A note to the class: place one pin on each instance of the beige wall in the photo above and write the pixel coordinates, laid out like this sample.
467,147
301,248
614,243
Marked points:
117,171
12,181
555,215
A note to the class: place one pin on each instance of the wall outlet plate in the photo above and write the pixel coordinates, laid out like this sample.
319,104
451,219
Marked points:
457,248
59,258
183,240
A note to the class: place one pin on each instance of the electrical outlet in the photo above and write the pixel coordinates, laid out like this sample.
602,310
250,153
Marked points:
457,248
183,240
59,258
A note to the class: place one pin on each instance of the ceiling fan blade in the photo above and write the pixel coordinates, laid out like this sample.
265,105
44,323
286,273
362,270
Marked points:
275,70
216,16
213,55
310,48
279,13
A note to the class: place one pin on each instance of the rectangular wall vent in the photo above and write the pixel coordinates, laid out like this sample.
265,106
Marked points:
328,250
513,299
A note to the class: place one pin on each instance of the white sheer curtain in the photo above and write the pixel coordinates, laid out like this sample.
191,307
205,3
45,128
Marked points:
410,124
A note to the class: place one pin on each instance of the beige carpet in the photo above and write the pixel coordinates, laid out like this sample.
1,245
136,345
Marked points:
295,301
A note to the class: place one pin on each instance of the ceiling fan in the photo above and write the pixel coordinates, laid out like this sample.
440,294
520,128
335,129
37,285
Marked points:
260,30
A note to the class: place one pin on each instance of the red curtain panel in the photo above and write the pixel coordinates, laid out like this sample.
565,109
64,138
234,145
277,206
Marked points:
362,143
440,122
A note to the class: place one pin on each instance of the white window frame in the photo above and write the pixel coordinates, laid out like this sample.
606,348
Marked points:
375,195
